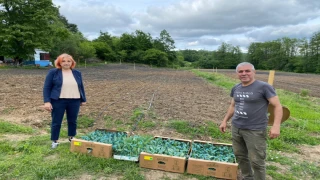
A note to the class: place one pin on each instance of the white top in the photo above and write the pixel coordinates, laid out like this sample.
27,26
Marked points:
69,87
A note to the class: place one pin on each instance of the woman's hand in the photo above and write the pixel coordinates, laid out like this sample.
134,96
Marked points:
48,106
82,103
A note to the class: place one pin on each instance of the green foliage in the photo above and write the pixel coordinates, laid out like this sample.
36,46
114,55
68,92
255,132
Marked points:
155,57
169,147
304,92
27,25
87,49
34,159
208,151
228,56
137,113
70,44
131,146
147,124
105,137
207,129
6,127
217,79
306,169
297,169
84,121
104,51
282,54
277,175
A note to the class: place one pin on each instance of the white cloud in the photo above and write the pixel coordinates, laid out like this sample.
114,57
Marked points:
197,23
194,43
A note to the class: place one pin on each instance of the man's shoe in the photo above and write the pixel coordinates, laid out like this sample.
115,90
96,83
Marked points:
54,145
70,138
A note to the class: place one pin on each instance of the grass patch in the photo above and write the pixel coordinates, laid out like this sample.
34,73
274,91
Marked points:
33,159
217,79
277,175
306,169
6,127
85,121
147,124
137,114
207,129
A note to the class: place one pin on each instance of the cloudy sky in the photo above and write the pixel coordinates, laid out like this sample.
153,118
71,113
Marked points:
197,24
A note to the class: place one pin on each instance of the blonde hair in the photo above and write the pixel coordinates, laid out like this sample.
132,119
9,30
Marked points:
59,59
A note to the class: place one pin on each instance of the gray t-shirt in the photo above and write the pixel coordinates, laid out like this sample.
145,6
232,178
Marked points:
251,105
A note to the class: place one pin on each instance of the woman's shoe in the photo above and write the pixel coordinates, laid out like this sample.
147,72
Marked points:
54,145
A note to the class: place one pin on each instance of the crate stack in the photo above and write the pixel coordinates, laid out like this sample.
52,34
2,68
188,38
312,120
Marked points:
193,157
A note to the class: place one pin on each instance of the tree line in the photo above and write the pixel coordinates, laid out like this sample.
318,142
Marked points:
27,25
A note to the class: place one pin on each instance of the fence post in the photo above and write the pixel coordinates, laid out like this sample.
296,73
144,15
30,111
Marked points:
271,77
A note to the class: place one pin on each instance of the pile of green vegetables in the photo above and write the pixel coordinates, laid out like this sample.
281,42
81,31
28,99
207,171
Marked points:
105,136
132,146
168,147
208,151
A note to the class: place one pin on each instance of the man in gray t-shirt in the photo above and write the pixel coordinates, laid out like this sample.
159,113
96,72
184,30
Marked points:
248,110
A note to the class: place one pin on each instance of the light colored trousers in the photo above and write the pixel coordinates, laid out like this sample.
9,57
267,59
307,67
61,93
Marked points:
249,147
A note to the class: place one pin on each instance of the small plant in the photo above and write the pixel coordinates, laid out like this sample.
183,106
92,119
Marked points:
304,92
137,113
85,121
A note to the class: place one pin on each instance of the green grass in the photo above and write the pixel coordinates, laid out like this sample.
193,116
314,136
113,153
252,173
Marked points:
85,121
217,79
9,128
206,129
33,159
296,168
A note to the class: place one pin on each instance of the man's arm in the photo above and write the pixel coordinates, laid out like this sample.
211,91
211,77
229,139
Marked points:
226,118
275,129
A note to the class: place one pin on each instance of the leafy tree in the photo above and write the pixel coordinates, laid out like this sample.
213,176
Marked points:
68,44
127,44
143,41
165,43
156,57
315,52
104,51
27,25
190,55
71,27
228,56
87,49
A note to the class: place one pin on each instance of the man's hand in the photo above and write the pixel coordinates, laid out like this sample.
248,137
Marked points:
274,132
223,126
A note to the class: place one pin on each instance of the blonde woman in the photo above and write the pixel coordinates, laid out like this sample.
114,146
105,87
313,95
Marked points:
63,91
